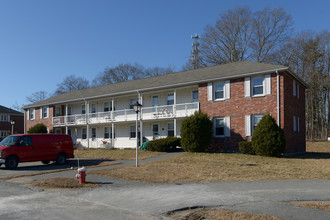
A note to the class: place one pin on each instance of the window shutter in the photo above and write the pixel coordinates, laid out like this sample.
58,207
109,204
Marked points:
227,89
294,88
247,125
267,84
28,114
40,112
209,92
227,126
247,85
47,111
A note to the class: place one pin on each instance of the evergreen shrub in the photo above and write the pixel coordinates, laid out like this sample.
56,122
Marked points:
268,139
245,147
196,132
38,129
168,144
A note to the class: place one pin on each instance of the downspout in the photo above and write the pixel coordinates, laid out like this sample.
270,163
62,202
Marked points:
278,99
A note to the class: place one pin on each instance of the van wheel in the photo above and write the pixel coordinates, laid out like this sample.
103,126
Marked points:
61,159
11,162
45,161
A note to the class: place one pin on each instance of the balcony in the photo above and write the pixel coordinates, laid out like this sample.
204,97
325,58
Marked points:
127,115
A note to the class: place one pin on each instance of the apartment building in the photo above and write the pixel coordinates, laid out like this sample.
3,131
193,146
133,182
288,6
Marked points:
10,119
235,96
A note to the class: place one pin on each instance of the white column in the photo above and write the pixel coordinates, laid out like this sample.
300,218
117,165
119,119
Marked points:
174,106
66,119
174,127
112,108
87,120
112,135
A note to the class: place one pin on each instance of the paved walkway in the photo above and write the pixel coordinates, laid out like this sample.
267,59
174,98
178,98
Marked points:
121,199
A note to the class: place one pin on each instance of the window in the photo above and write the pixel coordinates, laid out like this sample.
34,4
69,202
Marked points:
45,112
25,141
69,111
93,108
69,132
255,121
3,134
195,96
4,118
83,133
106,106
106,132
295,123
170,130
155,129
83,109
258,86
133,132
170,99
58,131
219,127
155,101
132,102
93,134
31,116
219,91
295,88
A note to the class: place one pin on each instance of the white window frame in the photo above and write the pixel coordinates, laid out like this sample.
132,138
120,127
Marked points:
106,106
3,134
226,127
214,91
169,101
296,126
32,113
153,100
172,130
153,132
253,117
132,130
106,132
94,134
263,86
295,88
83,133
192,96
45,112
69,110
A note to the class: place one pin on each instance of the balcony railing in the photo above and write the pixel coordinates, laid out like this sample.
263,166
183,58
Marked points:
148,113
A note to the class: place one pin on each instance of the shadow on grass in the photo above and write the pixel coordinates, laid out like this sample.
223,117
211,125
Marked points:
311,155
53,166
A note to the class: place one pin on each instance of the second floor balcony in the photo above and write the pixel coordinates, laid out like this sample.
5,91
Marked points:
127,115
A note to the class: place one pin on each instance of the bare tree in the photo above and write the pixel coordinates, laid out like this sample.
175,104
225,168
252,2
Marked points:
71,83
240,35
271,28
37,96
126,72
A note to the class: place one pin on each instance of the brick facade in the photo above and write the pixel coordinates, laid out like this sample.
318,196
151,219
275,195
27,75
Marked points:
37,119
238,106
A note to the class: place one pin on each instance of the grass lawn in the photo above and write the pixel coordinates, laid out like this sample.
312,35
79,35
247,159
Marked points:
225,167
114,154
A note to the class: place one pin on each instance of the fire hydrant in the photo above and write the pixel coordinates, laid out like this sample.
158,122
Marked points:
81,175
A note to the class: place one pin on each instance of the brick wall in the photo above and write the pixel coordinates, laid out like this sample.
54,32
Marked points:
18,127
46,121
238,106
294,106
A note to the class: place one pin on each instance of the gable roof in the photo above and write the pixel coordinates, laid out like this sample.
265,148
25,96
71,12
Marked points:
5,110
189,77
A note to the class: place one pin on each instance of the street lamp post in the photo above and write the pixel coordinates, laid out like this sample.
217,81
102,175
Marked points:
137,108
12,122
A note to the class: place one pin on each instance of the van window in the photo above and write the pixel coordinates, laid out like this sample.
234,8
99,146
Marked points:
25,141
9,141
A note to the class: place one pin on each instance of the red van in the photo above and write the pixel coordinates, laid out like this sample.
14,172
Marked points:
19,148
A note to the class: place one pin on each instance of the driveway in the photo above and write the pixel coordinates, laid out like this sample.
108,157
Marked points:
121,199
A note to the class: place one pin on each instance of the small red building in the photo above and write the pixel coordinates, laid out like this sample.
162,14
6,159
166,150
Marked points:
10,119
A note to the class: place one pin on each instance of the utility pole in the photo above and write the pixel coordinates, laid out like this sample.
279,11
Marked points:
195,59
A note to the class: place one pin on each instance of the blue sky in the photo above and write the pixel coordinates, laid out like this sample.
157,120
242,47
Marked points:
43,41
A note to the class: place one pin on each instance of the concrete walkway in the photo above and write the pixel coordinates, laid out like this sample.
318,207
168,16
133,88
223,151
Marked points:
121,199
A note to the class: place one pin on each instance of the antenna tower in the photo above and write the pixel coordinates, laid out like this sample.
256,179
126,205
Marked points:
195,59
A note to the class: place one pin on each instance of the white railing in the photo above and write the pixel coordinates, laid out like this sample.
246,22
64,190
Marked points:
148,113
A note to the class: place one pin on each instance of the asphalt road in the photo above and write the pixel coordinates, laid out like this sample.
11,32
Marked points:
120,199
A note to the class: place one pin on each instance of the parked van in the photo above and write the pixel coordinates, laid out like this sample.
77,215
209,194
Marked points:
19,148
